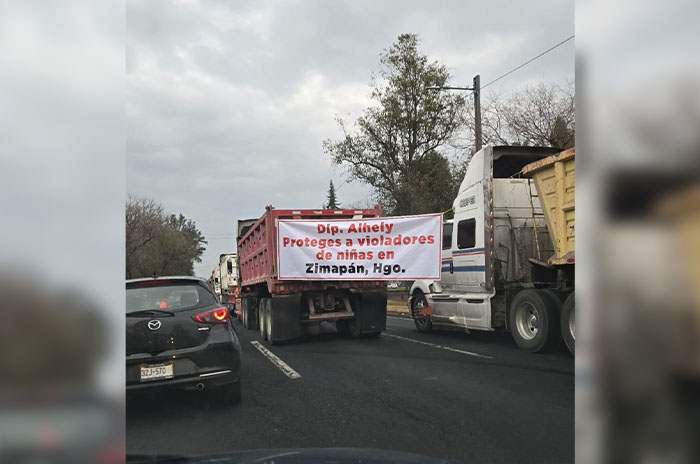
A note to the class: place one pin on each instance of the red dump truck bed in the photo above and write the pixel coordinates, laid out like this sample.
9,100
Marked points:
257,250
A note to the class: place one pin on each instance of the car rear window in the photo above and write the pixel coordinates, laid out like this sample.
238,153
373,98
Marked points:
172,297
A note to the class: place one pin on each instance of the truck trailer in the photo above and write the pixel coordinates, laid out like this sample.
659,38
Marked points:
279,308
508,255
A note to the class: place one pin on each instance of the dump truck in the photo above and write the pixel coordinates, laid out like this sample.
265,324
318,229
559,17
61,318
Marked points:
279,308
508,254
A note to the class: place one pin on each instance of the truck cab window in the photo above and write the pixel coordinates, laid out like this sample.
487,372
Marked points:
447,236
466,234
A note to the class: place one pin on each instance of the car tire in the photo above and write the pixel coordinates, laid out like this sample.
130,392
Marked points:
419,303
533,320
262,318
568,323
230,394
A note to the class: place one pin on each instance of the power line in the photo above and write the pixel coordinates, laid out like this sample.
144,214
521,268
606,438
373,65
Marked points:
343,183
529,61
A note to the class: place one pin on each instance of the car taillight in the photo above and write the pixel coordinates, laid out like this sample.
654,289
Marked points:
215,316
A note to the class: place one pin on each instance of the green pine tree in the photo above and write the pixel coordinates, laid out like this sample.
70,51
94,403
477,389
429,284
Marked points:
332,202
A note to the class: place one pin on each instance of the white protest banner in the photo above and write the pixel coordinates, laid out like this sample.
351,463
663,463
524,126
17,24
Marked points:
385,248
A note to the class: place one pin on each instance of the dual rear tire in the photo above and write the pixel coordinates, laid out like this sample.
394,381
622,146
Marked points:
266,323
568,323
534,321
262,318
540,319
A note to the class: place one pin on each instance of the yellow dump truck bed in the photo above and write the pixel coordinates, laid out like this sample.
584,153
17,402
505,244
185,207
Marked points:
554,179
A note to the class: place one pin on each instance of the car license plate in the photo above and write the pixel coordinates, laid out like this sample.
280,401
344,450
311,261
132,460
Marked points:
151,372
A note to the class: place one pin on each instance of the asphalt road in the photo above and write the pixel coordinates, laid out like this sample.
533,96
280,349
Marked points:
472,397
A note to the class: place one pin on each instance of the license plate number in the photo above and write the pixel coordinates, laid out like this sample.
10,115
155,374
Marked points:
151,372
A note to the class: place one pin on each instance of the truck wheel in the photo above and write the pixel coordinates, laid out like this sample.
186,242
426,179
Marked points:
355,324
271,326
262,318
533,321
341,325
559,296
568,322
419,305
244,312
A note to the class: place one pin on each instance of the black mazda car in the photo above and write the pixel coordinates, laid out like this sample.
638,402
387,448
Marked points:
178,335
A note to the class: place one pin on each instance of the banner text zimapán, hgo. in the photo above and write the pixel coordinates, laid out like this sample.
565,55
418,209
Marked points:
389,248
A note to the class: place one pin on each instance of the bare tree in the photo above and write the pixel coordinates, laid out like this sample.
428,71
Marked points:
144,222
541,115
157,243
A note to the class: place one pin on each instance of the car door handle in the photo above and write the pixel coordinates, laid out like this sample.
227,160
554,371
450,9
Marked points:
452,267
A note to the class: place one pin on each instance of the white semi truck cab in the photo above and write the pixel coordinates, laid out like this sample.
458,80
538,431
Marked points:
228,271
500,269
215,280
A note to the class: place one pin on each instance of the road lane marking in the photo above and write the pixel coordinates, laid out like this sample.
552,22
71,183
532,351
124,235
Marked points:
281,365
442,347
400,318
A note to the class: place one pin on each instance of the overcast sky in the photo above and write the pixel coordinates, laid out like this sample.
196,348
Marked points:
228,102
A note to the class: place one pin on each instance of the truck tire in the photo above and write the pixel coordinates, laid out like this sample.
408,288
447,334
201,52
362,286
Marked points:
272,329
559,296
418,304
244,312
568,323
262,317
533,320
341,325
355,324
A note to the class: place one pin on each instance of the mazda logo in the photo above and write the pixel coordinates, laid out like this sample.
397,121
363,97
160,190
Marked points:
154,324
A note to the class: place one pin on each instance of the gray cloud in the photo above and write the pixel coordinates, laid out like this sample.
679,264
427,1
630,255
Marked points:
228,102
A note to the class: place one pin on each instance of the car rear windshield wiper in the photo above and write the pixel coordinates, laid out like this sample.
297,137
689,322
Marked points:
150,312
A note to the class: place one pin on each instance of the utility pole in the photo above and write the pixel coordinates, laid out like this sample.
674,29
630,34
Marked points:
477,112
476,90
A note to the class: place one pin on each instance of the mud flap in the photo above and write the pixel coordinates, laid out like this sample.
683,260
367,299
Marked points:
286,317
372,311
251,308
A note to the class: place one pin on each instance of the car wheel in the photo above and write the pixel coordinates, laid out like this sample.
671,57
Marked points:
420,312
533,321
230,394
